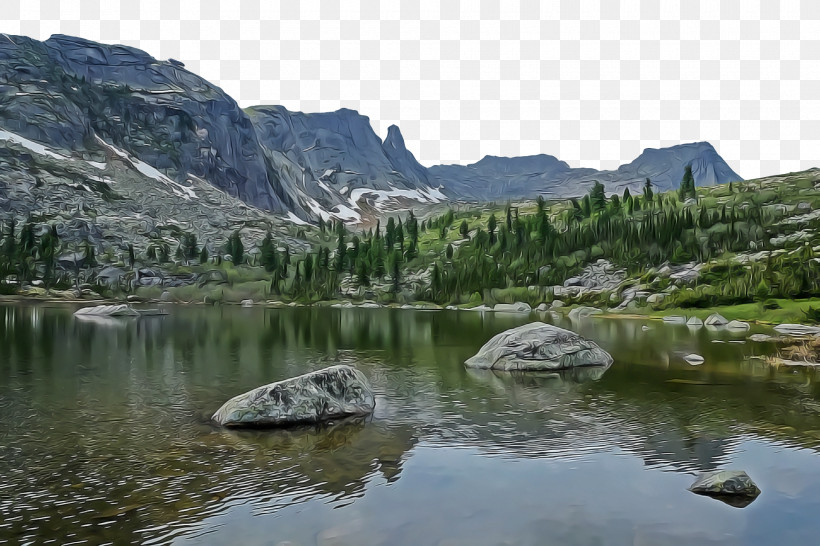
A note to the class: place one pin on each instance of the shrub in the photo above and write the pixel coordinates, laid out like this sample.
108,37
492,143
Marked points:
812,315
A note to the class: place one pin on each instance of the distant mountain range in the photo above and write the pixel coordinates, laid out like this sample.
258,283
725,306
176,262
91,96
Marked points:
99,103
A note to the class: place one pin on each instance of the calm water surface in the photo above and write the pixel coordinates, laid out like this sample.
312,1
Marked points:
104,434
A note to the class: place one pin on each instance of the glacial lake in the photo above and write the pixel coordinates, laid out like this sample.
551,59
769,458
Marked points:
105,434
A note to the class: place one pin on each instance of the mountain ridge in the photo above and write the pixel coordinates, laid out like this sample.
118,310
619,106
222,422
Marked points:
81,97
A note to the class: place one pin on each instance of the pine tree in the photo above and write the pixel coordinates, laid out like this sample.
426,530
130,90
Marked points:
341,249
362,277
379,269
390,234
413,228
203,255
449,251
435,282
396,270
400,236
464,229
267,254
308,268
687,185
190,248
597,197
235,248
491,227
647,192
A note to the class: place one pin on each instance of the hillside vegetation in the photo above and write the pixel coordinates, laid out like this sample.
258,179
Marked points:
751,242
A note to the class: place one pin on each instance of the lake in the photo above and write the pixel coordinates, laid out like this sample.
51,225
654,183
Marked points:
105,434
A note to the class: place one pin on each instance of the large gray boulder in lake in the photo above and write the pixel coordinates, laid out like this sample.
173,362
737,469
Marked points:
332,393
538,347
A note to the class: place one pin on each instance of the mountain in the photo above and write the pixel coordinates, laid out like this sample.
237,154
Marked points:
81,98
339,164
497,178
120,109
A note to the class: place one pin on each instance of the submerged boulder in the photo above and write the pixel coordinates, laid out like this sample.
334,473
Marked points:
332,393
538,347
727,484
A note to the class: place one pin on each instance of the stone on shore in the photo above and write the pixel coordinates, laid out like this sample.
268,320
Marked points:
538,347
331,393
694,321
715,319
121,310
674,319
583,312
797,330
517,307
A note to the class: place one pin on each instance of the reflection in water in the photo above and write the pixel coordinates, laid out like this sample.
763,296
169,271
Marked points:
104,432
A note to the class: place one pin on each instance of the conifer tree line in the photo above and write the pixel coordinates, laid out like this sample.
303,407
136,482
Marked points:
466,253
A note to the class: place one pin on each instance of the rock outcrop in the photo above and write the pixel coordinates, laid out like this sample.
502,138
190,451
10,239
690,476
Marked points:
538,347
332,393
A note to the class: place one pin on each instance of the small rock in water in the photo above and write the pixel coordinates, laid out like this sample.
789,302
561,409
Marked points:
246,303
694,321
761,338
734,487
693,359
738,325
645,328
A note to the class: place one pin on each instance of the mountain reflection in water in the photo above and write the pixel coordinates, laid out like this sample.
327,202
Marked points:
105,433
